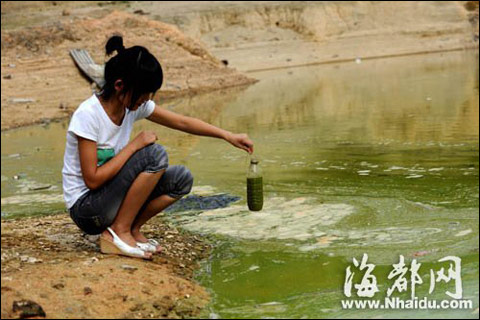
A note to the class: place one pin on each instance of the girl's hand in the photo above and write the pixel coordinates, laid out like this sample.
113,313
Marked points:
240,140
143,139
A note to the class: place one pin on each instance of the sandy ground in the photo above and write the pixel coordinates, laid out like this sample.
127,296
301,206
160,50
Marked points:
40,82
49,261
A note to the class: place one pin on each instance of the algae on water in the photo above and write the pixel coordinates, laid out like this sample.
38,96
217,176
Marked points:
254,187
255,193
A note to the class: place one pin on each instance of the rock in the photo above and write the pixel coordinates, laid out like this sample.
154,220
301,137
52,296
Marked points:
91,238
40,187
128,267
194,202
65,12
6,289
31,260
185,308
165,304
58,286
91,261
27,309
8,76
87,291
34,260
140,12
22,100
137,307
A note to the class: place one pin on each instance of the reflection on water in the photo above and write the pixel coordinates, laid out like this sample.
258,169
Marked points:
384,100
378,157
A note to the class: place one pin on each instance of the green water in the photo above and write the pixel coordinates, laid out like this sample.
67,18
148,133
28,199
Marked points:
379,158
255,193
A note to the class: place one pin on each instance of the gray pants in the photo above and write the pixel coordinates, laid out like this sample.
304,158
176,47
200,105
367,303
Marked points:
96,210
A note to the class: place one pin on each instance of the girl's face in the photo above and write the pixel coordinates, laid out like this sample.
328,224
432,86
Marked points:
125,99
141,100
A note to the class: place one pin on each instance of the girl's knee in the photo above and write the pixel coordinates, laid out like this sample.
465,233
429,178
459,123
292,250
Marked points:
186,180
156,156
181,179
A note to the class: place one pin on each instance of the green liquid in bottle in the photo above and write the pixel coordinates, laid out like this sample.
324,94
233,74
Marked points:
255,193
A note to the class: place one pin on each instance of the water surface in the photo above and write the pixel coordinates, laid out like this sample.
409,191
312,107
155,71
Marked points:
379,157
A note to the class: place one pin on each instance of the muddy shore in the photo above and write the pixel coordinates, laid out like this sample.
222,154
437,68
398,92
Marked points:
48,260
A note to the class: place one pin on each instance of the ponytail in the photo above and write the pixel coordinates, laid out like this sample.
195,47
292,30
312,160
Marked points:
138,69
115,43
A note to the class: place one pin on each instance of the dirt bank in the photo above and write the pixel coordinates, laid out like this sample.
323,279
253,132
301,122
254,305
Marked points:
269,35
40,82
250,36
47,260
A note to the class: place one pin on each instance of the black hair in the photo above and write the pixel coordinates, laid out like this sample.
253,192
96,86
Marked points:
139,70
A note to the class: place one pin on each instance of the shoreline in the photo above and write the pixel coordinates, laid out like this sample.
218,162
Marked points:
46,121
399,55
165,100
49,261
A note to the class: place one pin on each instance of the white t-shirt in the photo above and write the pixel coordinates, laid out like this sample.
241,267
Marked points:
90,121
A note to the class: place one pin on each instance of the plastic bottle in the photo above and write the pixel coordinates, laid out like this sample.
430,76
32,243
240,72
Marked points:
254,186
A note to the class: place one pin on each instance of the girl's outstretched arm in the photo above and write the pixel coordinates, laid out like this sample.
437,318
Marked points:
198,127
